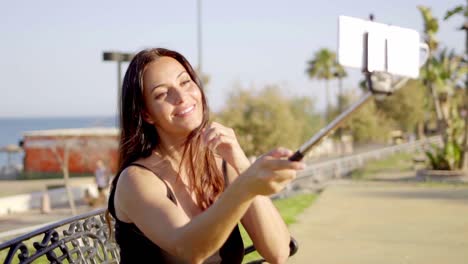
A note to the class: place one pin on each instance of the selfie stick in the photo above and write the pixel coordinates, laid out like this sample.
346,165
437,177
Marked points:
380,88
314,140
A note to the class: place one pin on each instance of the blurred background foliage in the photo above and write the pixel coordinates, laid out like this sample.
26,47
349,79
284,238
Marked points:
436,103
268,118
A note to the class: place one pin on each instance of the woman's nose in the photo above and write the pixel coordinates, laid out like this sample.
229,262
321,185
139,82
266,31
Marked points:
178,96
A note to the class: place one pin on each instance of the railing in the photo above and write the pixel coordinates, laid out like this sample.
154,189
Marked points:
80,239
320,172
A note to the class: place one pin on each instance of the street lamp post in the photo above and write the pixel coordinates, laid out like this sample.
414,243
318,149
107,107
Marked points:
119,57
199,36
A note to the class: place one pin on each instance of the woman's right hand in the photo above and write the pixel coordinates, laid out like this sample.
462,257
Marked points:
270,173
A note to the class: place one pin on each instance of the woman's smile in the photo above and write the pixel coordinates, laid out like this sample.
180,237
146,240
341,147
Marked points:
185,111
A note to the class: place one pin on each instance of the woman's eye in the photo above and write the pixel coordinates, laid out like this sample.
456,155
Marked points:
185,82
160,95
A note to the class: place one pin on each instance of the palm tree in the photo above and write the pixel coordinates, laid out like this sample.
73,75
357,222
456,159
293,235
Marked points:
463,10
447,71
431,27
340,73
324,66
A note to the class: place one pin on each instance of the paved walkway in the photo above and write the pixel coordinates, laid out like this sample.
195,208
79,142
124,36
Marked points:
371,222
14,187
12,226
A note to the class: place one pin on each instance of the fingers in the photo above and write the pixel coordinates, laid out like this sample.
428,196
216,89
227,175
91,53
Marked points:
214,142
280,153
272,172
209,134
283,164
212,138
281,168
282,176
215,134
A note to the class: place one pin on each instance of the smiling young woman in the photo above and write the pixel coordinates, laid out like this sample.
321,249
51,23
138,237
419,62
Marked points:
184,184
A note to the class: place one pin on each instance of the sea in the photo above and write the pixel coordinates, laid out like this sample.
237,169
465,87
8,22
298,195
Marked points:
12,129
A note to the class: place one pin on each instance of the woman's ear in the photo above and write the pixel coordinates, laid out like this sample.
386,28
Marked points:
146,116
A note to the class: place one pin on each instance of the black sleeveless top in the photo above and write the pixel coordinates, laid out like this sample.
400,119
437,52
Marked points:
134,245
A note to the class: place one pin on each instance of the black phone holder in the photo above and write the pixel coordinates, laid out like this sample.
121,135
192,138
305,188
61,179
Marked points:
378,83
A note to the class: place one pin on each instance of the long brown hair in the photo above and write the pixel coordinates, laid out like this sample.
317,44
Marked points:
138,138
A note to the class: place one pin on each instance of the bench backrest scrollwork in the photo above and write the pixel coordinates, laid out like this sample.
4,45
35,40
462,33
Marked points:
80,239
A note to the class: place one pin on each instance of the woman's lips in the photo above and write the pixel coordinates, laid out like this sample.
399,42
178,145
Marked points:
186,111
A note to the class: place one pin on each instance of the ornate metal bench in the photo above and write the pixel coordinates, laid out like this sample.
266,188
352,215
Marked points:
83,240
79,239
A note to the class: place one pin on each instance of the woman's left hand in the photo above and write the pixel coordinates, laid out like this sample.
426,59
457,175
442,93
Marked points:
223,141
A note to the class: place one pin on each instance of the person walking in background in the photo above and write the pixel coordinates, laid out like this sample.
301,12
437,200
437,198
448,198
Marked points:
102,177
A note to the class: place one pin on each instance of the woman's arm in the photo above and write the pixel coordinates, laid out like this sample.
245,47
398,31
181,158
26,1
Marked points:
140,196
264,224
262,221
267,230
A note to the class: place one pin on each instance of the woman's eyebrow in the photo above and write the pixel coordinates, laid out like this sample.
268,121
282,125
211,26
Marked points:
162,84
180,74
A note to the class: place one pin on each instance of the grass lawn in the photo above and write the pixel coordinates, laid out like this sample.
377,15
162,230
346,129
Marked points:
29,244
400,162
289,208
395,163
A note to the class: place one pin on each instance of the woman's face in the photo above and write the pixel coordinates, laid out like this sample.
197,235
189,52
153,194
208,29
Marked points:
173,100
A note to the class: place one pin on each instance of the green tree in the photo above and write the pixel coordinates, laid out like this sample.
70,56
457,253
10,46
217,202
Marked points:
267,119
406,107
441,75
340,73
324,66
463,10
431,27
448,68
370,125
303,109
447,71
366,125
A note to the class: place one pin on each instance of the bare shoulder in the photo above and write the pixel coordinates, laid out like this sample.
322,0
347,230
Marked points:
137,179
135,185
140,198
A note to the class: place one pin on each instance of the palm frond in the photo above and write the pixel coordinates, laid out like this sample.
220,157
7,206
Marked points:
454,11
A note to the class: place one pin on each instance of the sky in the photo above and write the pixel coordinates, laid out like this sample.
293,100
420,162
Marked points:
51,51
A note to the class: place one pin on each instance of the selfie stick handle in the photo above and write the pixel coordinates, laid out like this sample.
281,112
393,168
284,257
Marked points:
297,156
306,147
